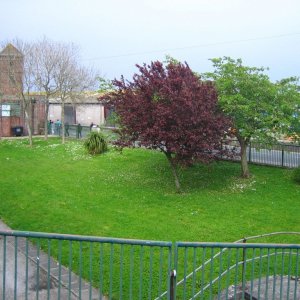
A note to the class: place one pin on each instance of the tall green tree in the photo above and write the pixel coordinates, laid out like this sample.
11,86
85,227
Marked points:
259,109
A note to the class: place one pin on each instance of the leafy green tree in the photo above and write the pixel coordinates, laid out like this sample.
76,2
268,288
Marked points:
105,85
258,108
290,89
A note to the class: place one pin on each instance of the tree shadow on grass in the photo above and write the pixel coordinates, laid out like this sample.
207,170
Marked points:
215,176
140,169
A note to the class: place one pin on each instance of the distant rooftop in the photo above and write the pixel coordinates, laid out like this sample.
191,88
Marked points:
10,50
89,97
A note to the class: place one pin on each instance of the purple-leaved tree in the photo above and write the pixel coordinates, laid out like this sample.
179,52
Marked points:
167,107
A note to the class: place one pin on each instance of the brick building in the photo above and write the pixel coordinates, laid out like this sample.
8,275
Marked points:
11,107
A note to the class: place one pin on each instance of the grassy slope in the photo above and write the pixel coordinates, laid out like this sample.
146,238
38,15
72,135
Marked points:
57,188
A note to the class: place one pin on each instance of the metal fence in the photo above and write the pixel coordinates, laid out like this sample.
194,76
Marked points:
237,271
278,154
55,266
79,131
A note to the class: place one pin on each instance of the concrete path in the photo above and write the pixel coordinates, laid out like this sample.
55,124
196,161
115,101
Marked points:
274,287
30,275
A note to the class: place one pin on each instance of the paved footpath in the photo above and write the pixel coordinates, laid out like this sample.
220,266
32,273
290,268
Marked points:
32,278
275,288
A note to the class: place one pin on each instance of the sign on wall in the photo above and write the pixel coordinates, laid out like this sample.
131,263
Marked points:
5,110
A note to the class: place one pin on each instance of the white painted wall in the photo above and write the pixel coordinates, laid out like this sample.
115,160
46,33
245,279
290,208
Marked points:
54,112
88,113
85,113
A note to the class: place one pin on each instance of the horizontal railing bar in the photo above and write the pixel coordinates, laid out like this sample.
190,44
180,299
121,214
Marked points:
256,143
270,234
70,237
236,245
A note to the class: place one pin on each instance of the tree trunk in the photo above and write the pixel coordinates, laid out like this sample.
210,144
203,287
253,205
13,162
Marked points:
174,171
46,118
62,117
29,126
27,107
244,142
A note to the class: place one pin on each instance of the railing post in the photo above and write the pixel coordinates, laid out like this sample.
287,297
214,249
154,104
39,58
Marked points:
244,270
4,267
249,158
282,156
172,284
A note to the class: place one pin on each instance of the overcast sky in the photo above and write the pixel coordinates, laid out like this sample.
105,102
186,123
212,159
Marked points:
114,35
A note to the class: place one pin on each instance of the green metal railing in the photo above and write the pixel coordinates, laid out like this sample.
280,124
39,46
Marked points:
56,266
238,270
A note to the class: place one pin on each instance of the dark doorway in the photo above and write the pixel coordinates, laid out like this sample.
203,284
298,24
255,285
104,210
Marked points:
70,114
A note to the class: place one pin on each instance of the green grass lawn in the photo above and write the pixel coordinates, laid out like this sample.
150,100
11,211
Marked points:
59,188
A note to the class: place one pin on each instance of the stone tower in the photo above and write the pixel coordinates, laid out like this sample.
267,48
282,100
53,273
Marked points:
11,73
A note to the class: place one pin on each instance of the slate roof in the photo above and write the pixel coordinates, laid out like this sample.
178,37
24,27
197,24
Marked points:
85,98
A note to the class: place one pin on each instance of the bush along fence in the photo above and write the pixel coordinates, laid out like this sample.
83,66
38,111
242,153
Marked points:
55,266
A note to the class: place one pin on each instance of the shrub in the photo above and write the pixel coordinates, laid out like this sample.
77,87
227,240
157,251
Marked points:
95,143
296,175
